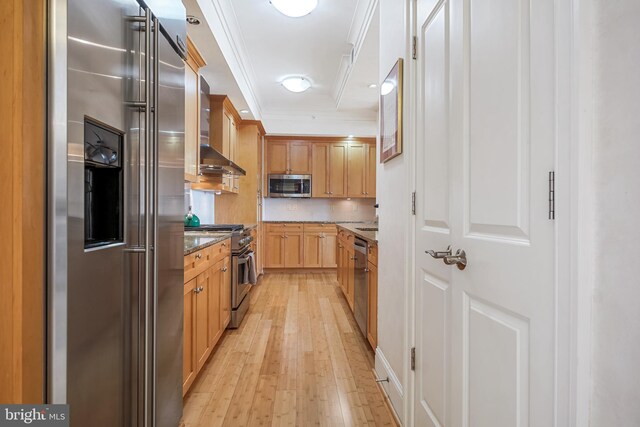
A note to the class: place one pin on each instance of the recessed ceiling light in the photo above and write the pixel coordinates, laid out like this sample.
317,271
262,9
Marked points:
296,84
244,111
387,87
350,136
193,20
373,86
295,8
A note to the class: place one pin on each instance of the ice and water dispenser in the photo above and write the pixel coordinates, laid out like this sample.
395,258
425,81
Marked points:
103,185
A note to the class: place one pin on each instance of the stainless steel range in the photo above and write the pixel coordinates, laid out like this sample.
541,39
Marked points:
240,255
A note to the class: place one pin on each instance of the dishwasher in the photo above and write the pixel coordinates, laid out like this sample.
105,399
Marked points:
361,284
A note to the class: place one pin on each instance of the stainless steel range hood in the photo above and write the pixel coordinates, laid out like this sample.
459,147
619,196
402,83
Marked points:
213,162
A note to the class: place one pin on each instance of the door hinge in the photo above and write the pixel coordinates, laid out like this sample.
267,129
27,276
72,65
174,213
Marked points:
413,358
415,47
552,195
413,203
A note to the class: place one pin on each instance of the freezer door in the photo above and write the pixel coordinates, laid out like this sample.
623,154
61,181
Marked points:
170,236
101,45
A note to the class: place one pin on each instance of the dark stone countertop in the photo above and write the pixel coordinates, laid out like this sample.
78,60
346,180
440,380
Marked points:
197,240
371,236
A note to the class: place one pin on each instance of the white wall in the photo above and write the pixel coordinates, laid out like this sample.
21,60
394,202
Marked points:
616,304
319,210
393,197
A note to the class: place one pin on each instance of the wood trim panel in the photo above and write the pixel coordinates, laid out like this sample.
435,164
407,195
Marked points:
22,185
194,57
227,104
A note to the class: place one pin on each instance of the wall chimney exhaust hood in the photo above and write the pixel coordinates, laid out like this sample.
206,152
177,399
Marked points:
213,162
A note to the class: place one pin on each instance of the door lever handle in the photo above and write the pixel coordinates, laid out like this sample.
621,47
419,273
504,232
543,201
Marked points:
459,259
441,254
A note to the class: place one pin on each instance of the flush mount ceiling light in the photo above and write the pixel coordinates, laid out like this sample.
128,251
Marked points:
244,111
294,8
373,86
193,20
296,84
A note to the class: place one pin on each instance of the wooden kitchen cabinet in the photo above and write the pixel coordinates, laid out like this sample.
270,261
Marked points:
329,170
274,250
288,157
293,250
277,157
372,318
299,158
207,306
320,170
189,365
320,245
204,313
192,112
370,171
313,248
357,155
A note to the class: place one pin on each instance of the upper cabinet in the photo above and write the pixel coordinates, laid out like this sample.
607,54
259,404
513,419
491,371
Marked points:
224,124
288,157
339,167
192,112
329,170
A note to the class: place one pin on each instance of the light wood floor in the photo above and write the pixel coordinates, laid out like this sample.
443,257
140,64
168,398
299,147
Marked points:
297,359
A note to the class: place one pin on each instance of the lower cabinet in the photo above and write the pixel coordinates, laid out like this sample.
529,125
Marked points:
207,309
189,367
284,246
291,245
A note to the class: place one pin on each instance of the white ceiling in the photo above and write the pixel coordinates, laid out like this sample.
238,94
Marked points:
250,48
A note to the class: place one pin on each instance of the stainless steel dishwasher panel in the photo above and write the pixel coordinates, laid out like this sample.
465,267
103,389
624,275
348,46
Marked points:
361,285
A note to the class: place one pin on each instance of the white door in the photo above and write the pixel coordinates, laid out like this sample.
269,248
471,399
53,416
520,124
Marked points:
485,335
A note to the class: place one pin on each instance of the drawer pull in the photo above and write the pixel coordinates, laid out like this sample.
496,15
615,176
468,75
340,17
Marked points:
198,256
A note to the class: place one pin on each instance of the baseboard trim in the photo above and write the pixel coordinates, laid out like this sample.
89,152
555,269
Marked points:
393,389
387,401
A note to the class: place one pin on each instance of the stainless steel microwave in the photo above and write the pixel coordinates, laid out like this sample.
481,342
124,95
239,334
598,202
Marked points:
289,185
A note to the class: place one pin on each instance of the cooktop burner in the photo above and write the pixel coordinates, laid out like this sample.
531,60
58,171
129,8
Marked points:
217,227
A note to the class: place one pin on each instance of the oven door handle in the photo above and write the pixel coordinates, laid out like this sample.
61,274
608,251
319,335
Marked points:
244,258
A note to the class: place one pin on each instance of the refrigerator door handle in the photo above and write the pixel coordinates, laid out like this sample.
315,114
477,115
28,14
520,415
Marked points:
156,165
147,376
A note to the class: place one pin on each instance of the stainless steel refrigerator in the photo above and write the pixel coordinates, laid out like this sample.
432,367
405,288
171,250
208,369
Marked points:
116,173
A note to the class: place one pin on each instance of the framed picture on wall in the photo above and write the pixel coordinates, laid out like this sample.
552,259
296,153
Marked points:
391,114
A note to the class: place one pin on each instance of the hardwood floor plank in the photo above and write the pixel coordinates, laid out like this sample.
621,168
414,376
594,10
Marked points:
194,405
298,358
284,413
263,401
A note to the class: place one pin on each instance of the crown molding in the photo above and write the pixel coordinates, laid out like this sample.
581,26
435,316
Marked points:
360,24
221,18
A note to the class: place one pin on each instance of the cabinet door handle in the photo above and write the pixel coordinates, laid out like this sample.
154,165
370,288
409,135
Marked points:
198,256
366,270
224,269
198,290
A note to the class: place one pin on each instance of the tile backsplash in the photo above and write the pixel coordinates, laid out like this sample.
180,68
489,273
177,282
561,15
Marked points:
319,210
202,202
